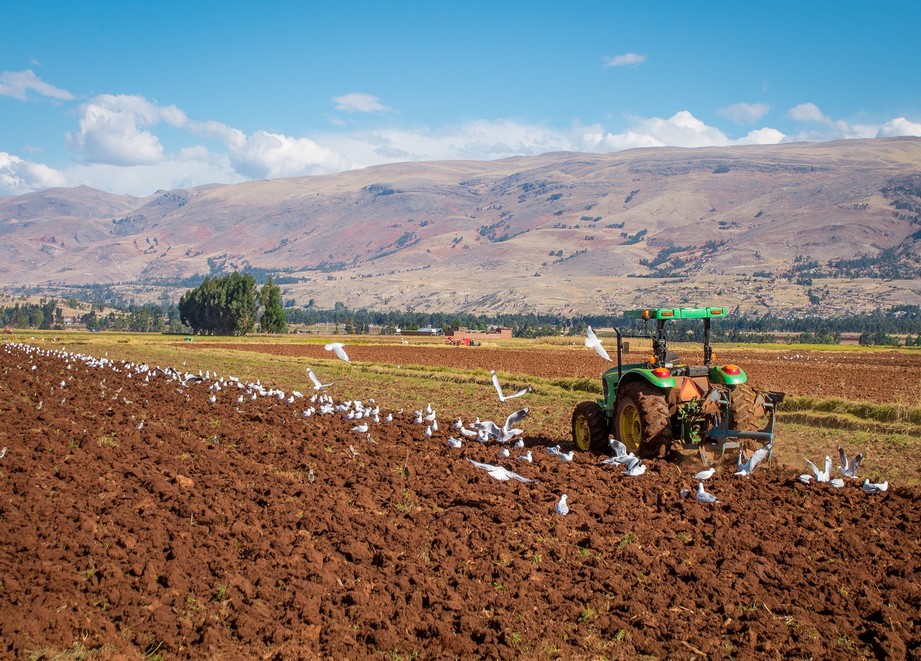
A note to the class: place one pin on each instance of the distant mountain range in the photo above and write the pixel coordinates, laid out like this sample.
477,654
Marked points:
818,228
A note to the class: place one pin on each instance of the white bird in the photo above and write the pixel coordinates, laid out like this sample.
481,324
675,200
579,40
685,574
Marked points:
562,507
848,468
821,476
527,457
684,493
337,348
593,342
362,428
519,444
504,453
515,418
499,473
634,468
619,449
212,399
455,442
703,496
871,487
566,456
705,475
503,397
749,466
805,478
316,382
837,482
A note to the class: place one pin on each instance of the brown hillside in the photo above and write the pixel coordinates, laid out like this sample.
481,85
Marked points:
769,227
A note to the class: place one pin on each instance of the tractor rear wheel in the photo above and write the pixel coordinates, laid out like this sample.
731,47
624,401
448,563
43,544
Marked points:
641,420
589,427
746,410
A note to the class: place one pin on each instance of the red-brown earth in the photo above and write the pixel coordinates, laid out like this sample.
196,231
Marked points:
878,376
244,530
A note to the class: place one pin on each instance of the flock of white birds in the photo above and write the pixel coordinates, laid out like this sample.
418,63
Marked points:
365,415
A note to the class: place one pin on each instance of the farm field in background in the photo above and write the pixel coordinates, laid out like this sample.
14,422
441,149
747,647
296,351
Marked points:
868,400
140,517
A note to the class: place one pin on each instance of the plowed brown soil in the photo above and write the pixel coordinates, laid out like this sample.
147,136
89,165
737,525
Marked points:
243,530
880,376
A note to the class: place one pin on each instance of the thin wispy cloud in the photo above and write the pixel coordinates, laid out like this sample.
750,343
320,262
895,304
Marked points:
19,84
360,102
744,113
625,60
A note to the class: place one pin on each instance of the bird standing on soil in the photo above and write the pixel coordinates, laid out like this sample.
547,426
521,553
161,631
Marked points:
592,342
705,497
337,348
562,507
871,487
502,396
705,474
821,476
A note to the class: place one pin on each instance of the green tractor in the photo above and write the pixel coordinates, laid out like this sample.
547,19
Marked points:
664,405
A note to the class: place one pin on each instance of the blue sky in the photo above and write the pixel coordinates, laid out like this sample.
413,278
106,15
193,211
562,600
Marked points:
132,97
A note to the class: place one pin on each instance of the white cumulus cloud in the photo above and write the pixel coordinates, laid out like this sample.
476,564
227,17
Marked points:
899,126
359,102
627,59
267,155
113,129
19,176
765,136
744,113
18,84
680,130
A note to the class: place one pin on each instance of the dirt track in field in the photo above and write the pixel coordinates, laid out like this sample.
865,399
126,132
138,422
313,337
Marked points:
244,530
879,376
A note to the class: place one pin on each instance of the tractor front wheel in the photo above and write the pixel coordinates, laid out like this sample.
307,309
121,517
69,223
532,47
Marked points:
641,420
589,427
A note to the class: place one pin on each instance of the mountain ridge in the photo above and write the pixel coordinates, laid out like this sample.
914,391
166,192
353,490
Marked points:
779,228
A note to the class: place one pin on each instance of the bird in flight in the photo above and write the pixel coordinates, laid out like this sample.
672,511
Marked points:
592,342
849,467
502,396
316,382
337,348
499,473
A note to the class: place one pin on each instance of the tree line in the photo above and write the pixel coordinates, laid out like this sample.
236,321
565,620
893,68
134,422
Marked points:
234,304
